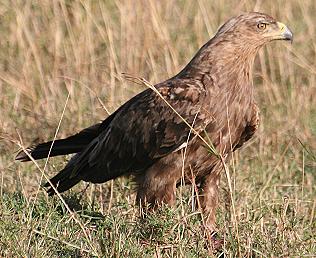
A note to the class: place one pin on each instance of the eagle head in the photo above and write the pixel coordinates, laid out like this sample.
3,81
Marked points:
254,28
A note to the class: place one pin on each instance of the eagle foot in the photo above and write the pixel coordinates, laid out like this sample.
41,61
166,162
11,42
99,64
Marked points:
214,242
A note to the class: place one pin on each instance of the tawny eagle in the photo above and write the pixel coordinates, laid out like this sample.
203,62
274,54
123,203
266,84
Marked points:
146,138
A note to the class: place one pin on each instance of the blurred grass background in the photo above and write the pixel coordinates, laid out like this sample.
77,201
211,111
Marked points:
52,50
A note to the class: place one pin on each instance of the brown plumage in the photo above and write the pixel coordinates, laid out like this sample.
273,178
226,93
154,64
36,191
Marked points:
144,137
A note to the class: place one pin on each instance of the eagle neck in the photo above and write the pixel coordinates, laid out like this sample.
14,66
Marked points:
229,68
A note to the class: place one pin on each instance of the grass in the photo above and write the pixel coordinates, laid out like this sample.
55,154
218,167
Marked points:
52,50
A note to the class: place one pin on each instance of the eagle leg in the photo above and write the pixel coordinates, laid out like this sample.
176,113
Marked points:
157,185
208,200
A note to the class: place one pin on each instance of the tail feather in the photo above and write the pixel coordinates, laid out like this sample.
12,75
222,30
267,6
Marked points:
62,181
76,170
59,147
72,144
78,143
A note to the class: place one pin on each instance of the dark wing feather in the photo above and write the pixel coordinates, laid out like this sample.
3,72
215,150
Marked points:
72,144
143,130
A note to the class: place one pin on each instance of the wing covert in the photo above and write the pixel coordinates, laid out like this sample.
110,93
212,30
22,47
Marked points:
143,130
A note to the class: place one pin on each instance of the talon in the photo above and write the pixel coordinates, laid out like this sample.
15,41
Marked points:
216,242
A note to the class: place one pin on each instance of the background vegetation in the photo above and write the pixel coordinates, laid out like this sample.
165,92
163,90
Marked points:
60,71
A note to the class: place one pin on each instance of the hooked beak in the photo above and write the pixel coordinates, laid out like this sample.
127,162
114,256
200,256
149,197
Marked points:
284,32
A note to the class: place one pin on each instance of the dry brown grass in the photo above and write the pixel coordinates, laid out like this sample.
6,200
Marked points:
52,49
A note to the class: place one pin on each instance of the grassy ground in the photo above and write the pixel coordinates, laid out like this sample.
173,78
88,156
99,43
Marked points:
60,70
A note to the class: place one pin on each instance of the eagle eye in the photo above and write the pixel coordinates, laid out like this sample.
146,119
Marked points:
261,26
